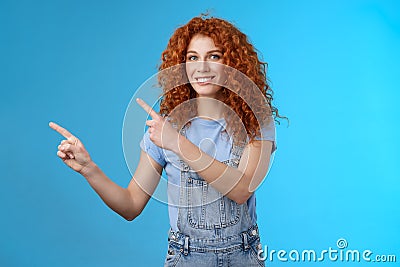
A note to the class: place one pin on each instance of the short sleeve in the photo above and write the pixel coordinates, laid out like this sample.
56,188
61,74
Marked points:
268,132
154,151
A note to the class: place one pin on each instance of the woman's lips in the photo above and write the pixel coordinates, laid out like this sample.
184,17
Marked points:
203,80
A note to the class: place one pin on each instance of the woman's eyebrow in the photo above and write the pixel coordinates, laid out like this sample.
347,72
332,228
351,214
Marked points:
209,52
214,51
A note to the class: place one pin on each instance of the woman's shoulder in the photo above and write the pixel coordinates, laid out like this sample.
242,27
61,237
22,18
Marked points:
267,131
152,149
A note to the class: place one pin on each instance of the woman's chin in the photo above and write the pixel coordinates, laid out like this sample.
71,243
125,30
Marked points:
209,90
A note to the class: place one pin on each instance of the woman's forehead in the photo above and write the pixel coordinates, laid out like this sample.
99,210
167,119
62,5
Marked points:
201,42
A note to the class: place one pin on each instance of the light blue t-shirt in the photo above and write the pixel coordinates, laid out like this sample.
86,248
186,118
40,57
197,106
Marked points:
210,137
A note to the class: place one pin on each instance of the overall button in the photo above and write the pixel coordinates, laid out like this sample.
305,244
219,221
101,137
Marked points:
254,232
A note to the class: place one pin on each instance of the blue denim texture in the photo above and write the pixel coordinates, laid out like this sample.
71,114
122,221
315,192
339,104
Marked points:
213,230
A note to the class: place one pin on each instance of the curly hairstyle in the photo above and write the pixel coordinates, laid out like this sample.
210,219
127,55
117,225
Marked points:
239,54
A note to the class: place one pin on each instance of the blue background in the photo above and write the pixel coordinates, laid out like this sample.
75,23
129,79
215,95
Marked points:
334,66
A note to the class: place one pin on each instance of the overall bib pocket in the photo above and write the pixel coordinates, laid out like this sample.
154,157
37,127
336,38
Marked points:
208,208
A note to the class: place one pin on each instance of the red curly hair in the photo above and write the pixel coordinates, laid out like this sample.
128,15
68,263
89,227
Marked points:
239,54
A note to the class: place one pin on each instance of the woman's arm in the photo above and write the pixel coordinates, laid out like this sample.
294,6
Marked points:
127,202
236,183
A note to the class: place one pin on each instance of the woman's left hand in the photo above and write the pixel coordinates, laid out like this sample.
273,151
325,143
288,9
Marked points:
161,131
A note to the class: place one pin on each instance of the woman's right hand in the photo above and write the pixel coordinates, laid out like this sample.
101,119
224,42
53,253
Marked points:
71,150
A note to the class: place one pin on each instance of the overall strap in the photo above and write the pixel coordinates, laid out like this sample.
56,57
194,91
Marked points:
237,151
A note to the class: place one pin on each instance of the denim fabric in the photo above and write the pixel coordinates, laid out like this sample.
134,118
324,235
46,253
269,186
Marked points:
235,251
211,137
213,230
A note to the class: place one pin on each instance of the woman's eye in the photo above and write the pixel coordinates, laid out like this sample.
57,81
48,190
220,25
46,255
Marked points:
215,57
191,58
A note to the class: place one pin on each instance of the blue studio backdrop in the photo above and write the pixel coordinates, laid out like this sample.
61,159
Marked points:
334,183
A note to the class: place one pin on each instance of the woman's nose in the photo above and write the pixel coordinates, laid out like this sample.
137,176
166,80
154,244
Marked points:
203,66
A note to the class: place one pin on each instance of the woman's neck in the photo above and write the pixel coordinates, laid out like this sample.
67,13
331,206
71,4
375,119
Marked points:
210,108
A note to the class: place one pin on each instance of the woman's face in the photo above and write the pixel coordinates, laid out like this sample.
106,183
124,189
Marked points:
204,66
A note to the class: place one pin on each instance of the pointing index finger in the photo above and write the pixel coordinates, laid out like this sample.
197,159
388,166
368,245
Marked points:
60,130
149,110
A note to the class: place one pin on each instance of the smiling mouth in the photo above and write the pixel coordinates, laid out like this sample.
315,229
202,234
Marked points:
204,79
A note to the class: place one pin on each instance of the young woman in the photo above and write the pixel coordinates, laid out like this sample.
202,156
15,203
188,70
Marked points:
214,137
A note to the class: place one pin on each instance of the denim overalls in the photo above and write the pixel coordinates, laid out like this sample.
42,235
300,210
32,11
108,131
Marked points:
212,229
